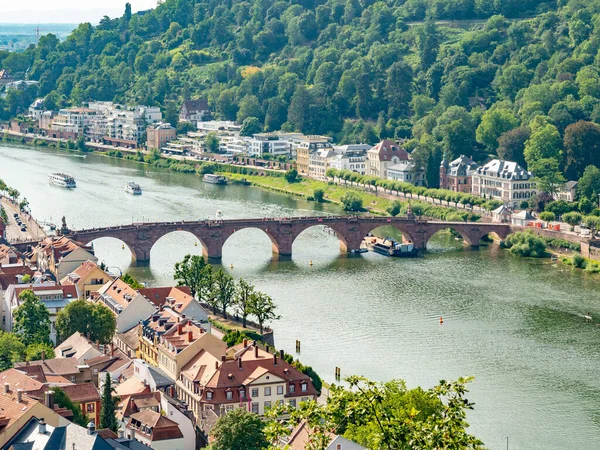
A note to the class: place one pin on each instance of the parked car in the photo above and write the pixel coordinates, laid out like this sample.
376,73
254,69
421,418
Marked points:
23,229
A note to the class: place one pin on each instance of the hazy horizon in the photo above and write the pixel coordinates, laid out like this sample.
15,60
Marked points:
65,11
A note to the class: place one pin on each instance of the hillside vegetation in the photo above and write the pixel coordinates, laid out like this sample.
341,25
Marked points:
522,89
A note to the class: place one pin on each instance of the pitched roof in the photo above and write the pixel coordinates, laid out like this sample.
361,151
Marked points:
85,392
200,104
131,404
17,379
159,427
181,336
507,170
40,290
108,363
8,274
82,271
76,346
132,385
178,297
386,149
11,410
131,337
117,294
56,366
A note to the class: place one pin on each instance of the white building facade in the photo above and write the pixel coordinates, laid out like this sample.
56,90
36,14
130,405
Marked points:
505,181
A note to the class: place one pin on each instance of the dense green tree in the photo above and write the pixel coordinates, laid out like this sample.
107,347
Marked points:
86,317
12,350
211,141
588,185
351,201
131,281
545,142
428,43
250,126
108,418
291,176
243,299
511,145
224,290
63,400
525,243
263,308
190,272
239,429
494,123
249,107
298,113
36,352
582,147
548,178
572,218
32,319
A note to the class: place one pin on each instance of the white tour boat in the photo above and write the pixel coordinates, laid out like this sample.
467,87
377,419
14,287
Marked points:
133,188
61,179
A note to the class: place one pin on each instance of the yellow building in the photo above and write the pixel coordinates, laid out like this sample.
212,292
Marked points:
88,278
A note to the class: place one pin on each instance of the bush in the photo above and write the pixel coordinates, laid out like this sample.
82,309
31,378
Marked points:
319,195
525,243
547,216
394,208
351,201
234,337
291,176
578,261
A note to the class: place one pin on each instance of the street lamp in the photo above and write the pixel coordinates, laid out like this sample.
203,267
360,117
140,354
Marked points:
506,437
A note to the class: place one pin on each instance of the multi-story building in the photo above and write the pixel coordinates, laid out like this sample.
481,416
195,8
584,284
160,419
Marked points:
55,297
456,175
194,111
73,120
318,163
159,134
179,299
246,377
88,278
297,139
567,192
306,148
155,431
127,304
406,172
36,109
262,144
180,343
60,256
352,160
386,153
77,346
504,180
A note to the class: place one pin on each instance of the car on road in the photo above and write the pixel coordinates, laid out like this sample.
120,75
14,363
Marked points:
23,229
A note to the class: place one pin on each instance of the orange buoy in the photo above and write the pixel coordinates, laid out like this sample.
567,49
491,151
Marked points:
441,320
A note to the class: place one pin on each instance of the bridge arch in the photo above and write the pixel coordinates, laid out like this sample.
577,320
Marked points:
392,226
115,244
181,242
276,246
324,234
454,232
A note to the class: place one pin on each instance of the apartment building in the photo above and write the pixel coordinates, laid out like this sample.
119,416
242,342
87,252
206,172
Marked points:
159,134
504,180
380,157
306,148
457,175
262,144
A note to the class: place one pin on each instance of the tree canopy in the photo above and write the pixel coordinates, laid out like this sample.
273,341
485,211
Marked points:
86,317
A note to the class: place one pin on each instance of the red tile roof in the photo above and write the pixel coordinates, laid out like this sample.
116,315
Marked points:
386,149
160,427
85,392
178,298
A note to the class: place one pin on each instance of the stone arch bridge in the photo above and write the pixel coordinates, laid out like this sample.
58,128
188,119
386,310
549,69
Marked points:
212,234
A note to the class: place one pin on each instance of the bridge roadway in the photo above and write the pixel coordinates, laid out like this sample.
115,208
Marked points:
212,234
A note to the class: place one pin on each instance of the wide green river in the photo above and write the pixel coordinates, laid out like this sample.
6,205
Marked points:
516,325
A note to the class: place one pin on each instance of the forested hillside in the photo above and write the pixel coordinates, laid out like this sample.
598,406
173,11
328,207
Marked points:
513,85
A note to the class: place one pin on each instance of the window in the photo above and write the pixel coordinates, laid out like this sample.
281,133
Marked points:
229,408
254,392
292,389
72,377
229,395
255,407
242,393
279,390
209,396
304,387
267,405
304,399
292,403
267,391
90,407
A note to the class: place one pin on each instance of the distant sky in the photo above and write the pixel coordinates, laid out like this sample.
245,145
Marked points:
65,11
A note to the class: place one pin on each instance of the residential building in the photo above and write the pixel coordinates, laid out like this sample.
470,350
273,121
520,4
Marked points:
233,145
522,218
159,134
318,163
568,192
8,255
128,341
66,368
11,274
60,255
134,403
406,172
177,345
352,160
5,77
55,297
77,346
178,413
46,119
502,214
246,376
128,305
88,277
73,120
153,377
456,175
150,331
263,144
297,139
17,409
154,430
306,148
36,109
38,434
221,127
380,157
505,181
299,439
114,364
86,396
194,111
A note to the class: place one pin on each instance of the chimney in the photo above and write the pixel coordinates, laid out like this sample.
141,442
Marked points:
216,365
112,350
42,426
274,359
91,427
6,388
281,355
223,358
245,343
89,335
255,352
240,363
49,397
190,335
43,355
179,328
19,395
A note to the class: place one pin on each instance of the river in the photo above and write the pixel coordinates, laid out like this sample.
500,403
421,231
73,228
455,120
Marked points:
516,325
